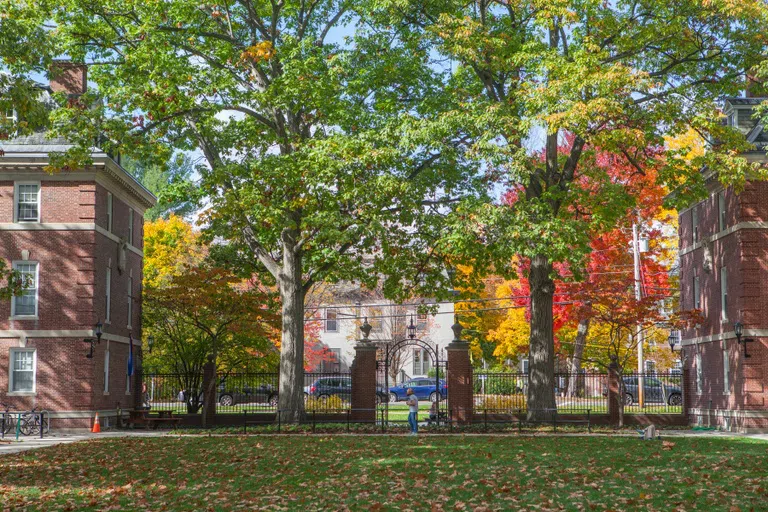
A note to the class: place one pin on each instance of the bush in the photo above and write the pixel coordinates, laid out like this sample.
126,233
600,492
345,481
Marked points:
333,403
502,402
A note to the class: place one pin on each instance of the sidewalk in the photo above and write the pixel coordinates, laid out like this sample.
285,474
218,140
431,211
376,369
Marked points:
32,442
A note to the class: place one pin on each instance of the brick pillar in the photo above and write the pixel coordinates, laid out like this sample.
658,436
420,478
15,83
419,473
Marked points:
613,393
364,382
209,393
460,390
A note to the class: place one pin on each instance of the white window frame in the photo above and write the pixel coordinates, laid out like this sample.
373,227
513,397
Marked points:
37,290
106,370
699,375
726,371
16,185
696,292
328,320
130,298
108,294
127,383
130,226
110,205
12,352
721,209
695,223
724,294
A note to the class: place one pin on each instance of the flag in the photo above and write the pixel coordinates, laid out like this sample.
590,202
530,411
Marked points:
130,355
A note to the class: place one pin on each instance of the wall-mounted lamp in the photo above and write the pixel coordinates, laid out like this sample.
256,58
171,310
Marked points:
98,332
738,329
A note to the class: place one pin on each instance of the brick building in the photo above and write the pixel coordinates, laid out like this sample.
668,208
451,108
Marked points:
79,236
724,273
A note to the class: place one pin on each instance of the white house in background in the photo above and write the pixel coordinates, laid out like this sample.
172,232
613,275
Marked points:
342,315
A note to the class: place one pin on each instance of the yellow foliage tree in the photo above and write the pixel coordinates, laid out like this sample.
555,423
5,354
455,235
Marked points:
170,246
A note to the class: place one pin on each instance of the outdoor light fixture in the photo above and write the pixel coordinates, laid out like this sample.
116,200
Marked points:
738,329
412,329
671,340
98,332
150,342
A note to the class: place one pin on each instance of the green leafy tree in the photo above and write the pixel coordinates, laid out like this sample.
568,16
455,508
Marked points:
589,74
327,157
171,183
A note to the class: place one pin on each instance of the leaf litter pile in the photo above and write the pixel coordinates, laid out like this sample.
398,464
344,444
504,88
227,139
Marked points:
389,473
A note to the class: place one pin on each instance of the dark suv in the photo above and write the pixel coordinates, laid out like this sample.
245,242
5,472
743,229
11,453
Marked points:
233,395
654,391
341,386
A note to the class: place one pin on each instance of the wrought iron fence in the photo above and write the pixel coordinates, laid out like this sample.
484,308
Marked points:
577,392
574,392
662,392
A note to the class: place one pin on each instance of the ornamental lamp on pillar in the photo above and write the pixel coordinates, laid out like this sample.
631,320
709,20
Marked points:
150,342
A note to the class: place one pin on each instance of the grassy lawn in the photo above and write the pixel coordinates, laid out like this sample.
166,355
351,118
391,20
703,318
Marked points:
389,473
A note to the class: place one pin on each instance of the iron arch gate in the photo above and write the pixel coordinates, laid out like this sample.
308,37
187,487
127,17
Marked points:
388,359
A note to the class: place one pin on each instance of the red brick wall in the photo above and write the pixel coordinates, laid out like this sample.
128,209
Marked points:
743,254
64,375
66,279
72,288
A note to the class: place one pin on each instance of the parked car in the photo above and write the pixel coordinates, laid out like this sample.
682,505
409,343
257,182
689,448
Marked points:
341,386
654,391
261,394
424,389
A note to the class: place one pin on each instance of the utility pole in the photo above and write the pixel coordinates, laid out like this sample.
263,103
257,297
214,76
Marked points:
639,330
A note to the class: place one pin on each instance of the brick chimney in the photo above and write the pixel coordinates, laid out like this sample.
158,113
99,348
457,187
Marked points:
68,77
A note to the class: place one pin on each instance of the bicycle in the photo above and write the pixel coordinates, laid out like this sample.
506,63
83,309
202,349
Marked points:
32,422
8,422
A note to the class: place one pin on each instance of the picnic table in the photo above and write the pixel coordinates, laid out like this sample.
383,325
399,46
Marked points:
160,417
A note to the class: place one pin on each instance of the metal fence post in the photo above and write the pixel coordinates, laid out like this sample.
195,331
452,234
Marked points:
40,417
348,411
485,419
519,421
245,421
589,423
554,420
313,420
2,427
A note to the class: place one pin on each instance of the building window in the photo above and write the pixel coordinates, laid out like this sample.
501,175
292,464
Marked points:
695,223
27,208
106,370
331,322
130,226
726,370
721,209
25,304
23,370
109,211
333,362
699,374
421,321
696,292
421,362
108,297
130,299
524,365
723,294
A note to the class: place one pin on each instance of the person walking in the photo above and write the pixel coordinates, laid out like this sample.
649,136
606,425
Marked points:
413,411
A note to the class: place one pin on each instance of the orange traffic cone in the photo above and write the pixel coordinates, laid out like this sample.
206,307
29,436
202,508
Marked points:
96,426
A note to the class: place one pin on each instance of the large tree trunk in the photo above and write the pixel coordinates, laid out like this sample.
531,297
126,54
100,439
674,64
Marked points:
574,365
291,399
541,354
